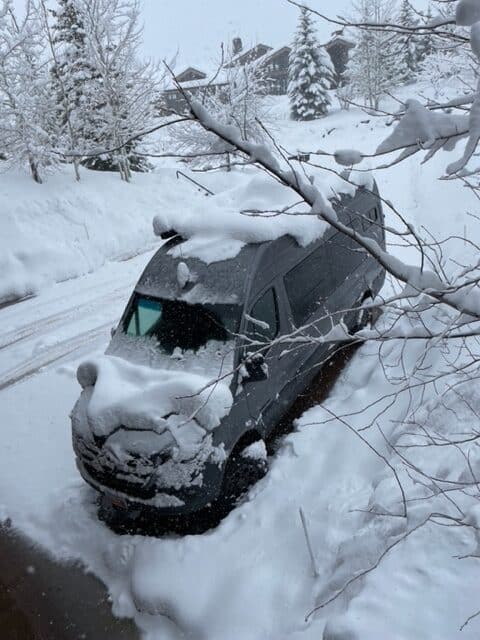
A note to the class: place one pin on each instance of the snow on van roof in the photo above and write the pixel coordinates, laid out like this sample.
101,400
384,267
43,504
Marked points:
256,209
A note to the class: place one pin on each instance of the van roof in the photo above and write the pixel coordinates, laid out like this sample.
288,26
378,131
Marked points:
222,282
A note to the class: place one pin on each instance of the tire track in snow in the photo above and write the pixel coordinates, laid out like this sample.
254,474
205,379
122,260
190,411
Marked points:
58,352
59,319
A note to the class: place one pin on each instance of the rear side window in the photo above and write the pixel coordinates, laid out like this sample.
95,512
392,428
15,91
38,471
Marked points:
263,324
307,285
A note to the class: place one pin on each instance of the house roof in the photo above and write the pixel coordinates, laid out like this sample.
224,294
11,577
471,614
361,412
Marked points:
248,56
200,75
271,55
339,39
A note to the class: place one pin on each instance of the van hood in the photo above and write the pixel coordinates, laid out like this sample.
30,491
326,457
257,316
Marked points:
118,394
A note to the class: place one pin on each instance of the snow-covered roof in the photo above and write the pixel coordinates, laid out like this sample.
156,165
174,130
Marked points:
250,55
201,75
340,39
275,52
214,79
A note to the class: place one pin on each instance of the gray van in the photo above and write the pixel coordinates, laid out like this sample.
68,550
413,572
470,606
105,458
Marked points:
248,305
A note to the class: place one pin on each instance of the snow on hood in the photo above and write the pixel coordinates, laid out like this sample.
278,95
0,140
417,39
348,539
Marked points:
120,393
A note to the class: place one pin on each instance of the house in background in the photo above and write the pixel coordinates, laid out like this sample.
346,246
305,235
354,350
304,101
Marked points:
241,58
272,65
194,83
275,71
339,48
190,75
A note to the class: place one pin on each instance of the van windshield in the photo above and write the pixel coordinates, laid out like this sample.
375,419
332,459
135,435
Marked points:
178,324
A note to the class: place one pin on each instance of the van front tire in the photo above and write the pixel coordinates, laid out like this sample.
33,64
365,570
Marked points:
241,473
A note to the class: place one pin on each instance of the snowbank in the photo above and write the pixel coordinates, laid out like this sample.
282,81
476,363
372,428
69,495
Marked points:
63,229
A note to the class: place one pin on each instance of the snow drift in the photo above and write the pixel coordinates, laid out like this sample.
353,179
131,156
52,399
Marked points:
63,229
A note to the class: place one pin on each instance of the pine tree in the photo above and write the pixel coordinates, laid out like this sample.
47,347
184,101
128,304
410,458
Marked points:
426,44
406,45
310,73
126,90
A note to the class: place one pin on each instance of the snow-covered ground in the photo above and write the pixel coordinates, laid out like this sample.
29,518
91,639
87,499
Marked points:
251,578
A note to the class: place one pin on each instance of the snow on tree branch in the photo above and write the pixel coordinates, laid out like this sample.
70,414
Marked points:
414,278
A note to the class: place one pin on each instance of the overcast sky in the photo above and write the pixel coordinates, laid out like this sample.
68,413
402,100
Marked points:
196,28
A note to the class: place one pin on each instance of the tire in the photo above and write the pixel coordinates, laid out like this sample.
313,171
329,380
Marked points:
365,317
241,473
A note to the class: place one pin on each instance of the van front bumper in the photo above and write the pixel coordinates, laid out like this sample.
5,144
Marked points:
138,499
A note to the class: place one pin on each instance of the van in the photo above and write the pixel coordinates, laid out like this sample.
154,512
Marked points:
230,345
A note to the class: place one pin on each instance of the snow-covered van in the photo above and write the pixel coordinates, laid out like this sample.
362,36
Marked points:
209,355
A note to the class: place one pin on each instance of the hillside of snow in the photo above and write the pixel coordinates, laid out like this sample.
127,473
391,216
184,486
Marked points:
380,576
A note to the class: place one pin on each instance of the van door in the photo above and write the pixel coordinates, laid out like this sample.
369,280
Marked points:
307,288
265,322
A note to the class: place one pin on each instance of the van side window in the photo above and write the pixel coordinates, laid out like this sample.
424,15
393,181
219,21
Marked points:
308,284
264,325
344,257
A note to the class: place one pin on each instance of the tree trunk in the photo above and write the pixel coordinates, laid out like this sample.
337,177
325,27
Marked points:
34,170
76,169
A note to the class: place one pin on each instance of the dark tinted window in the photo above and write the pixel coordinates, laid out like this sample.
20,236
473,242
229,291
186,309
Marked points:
325,270
175,323
345,255
263,325
308,284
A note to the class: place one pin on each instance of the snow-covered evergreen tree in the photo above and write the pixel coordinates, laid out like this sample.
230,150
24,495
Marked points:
73,78
406,44
126,89
310,73
373,68
426,42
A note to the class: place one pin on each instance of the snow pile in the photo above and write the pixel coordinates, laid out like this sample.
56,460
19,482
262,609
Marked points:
117,392
141,413
256,209
63,229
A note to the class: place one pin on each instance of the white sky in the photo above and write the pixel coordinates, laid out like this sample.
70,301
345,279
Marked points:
196,28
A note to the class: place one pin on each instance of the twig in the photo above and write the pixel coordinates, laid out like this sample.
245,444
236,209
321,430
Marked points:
316,573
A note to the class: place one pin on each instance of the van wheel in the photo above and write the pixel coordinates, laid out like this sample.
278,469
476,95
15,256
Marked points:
365,317
245,466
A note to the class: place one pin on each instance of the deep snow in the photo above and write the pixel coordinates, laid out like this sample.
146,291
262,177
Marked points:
251,578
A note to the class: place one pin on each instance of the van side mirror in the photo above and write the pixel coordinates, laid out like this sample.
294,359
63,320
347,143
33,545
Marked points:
256,368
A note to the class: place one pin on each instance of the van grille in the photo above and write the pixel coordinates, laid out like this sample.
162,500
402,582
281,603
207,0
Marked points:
110,481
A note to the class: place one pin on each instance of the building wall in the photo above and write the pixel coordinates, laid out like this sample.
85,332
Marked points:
339,53
276,74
